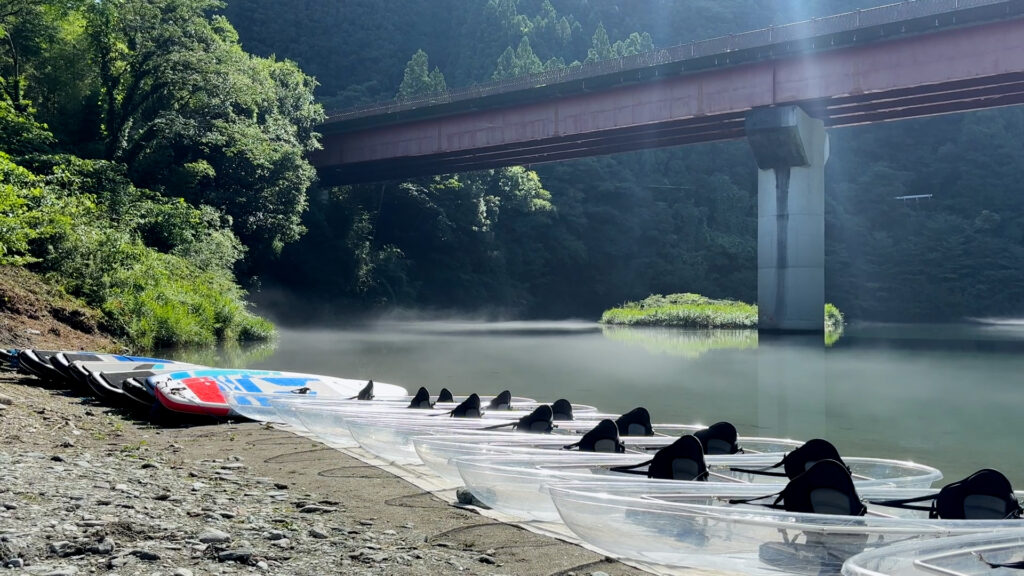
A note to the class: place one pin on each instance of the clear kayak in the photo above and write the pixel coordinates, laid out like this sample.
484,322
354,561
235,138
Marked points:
997,553
518,485
439,453
697,526
392,440
262,406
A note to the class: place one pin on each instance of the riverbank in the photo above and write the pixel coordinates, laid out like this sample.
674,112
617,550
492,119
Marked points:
85,488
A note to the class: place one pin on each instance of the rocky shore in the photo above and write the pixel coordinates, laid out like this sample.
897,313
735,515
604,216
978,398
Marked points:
88,489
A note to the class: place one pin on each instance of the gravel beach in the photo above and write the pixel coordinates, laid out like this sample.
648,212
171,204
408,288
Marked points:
89,489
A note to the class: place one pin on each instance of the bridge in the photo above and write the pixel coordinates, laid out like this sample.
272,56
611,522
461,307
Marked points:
779,87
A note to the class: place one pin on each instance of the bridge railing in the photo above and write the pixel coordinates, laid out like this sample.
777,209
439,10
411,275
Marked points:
846,22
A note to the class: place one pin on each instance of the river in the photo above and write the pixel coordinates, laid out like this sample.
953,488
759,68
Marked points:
948,396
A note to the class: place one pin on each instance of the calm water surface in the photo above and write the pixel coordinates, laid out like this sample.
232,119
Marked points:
949,396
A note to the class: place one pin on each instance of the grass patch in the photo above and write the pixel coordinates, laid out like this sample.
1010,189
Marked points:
683,311
695,311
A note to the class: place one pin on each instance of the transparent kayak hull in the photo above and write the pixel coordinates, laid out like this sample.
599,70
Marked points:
702,530
950,556
288,408
518,485
440,453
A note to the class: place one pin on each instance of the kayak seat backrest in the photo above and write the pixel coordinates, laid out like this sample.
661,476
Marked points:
636,430
802,459
469,408
602,438
562,410
537,421
502,401
719,438
445,396
636,422
825,488
680,460
421,399
984,495
367,392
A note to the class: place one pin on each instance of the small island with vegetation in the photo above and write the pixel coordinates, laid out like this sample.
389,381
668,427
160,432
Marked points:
695,311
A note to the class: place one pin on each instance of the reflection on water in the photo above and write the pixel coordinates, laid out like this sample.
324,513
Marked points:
681,342
947,396
230,355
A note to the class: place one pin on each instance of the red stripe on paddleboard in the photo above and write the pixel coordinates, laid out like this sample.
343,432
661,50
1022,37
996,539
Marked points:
172,404
205,389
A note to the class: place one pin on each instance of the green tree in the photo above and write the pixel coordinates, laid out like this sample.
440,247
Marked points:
192,114
601,47
519,62
419,79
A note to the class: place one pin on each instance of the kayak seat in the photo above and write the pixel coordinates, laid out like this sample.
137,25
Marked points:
538,421
502,401
984,495
800,460
825,488
469,408
562,410
445,396
602,438
421,400
636,422
367,392
719,438
680,460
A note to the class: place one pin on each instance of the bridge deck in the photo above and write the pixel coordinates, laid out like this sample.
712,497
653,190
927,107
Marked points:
900,61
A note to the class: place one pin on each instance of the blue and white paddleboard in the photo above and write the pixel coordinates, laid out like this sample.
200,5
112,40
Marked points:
203,391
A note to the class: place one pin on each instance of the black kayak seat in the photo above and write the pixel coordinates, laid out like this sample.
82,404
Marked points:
984,495
538,421
502,401
602,438
367,392
445,396
719,438
636,422
680,460
469,408
800,459
825,488
562,410
421,400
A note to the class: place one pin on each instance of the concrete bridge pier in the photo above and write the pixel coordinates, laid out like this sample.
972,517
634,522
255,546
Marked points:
791,149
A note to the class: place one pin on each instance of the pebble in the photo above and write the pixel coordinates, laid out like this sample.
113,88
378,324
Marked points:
181,572
317,532
317,509
62,571
214,536
234,556
6,400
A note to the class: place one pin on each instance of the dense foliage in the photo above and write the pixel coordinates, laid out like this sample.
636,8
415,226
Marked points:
619,228
171,153
147,158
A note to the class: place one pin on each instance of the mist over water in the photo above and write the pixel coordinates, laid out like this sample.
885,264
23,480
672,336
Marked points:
948,396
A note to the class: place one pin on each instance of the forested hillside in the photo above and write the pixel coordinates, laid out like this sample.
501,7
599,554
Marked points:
598,231
152,162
